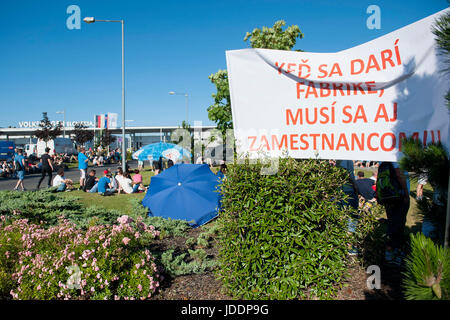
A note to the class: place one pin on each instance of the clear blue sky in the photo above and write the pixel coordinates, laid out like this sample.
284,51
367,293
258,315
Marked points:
170,46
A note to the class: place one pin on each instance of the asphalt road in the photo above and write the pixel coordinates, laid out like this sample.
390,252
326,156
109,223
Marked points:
31,180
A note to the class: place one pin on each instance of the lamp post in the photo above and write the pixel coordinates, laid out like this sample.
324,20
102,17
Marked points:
187,103
64,123
124,152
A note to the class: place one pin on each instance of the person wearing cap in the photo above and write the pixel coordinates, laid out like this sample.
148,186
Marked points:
104,184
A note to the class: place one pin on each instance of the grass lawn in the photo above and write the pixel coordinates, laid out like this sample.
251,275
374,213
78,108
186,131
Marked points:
117,201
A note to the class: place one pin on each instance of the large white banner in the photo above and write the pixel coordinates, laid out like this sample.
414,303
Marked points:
354,104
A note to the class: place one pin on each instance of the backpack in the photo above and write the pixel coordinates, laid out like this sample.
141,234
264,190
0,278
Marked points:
388,187
19,165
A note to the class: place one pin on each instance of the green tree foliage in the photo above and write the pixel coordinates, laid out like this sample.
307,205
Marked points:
283,236
47,131
106,138
442,32
275,37
82,135
427,275
433,161
268,38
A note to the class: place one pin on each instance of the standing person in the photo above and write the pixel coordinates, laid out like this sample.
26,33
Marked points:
351,190
46,168
19,166
423,179
158,166
393,192
222,171
82,165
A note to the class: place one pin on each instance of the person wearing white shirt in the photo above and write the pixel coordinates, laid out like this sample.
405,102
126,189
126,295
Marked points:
126,184
60,182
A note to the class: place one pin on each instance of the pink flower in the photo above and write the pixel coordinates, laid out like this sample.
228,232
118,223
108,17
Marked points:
140,287
125,240
124,219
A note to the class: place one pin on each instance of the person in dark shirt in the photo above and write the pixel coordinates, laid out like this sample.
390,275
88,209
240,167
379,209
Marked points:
47,168
90,181
365,186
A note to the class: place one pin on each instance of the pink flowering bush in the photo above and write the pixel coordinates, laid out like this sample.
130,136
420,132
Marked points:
65,262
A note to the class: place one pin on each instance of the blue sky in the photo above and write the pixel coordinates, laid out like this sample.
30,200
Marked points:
169,46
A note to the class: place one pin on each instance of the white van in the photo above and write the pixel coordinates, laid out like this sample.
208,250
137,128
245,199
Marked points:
58,145
30,149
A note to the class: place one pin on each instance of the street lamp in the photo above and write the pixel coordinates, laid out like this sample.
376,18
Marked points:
64,123
124,153
187,96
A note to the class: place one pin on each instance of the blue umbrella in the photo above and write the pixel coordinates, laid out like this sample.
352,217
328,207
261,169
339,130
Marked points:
161,149
184,192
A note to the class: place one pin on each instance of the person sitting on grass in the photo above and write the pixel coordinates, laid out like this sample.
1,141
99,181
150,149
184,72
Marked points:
222,171
138,180
104,184
91,182
365,187
62,183
127,185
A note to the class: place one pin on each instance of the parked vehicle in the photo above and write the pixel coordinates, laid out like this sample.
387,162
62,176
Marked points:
7,150
58,145
31,149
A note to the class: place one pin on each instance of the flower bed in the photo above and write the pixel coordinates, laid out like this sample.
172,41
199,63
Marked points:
66,262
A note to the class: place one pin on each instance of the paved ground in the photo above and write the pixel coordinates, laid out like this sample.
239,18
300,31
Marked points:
30,182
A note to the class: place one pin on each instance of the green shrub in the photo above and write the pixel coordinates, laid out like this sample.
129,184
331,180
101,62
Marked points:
427,275
184,263
283,235
167,227
49,208
370,235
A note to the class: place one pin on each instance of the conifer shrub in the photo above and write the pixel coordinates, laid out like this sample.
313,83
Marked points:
283,236
427,275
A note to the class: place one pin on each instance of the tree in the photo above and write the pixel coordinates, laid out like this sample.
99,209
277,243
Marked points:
81,134
268,38
47,131
106,138
441,30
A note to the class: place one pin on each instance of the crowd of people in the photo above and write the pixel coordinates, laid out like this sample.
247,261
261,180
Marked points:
393,194
33,164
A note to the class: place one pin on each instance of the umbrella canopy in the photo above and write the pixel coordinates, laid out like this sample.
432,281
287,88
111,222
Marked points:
184,192
161,149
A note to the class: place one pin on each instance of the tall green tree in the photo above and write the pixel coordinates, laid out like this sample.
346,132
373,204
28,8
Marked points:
82,134
441,30
47,131
267,38
106,139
